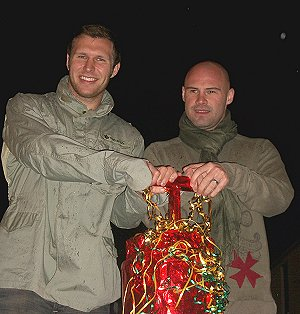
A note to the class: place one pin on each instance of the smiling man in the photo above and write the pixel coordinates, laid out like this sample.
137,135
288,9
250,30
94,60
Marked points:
72,167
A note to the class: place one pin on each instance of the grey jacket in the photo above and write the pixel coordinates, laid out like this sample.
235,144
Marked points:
68,170
258,178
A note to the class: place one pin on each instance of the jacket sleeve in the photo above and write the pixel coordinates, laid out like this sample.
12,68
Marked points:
257,174
129,210
265,187
58,157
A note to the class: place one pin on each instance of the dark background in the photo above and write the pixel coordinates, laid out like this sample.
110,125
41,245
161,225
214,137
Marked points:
159,42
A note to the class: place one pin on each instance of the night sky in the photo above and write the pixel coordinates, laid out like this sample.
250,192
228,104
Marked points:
259,47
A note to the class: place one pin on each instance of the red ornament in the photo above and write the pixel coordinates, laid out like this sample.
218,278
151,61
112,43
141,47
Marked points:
176,267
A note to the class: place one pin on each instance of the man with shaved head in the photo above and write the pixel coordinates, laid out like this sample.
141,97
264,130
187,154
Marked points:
244,177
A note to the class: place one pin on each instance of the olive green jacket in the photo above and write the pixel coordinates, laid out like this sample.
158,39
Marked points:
258,179
68,169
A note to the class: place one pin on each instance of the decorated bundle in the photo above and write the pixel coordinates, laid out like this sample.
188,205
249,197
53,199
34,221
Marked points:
174,268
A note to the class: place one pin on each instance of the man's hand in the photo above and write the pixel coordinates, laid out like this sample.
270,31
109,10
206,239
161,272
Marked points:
206,179
160,176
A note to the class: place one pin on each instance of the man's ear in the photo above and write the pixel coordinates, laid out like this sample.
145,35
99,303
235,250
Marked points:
67,62
182,93
115,70
230,96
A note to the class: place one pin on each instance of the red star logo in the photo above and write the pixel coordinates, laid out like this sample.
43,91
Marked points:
245,270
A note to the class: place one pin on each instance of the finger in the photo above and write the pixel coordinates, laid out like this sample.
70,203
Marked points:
199,178
218,188
157,189
211,187
174,176
204,185
215,187
192,167
167,173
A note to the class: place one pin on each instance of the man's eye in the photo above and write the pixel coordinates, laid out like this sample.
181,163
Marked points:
211,91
